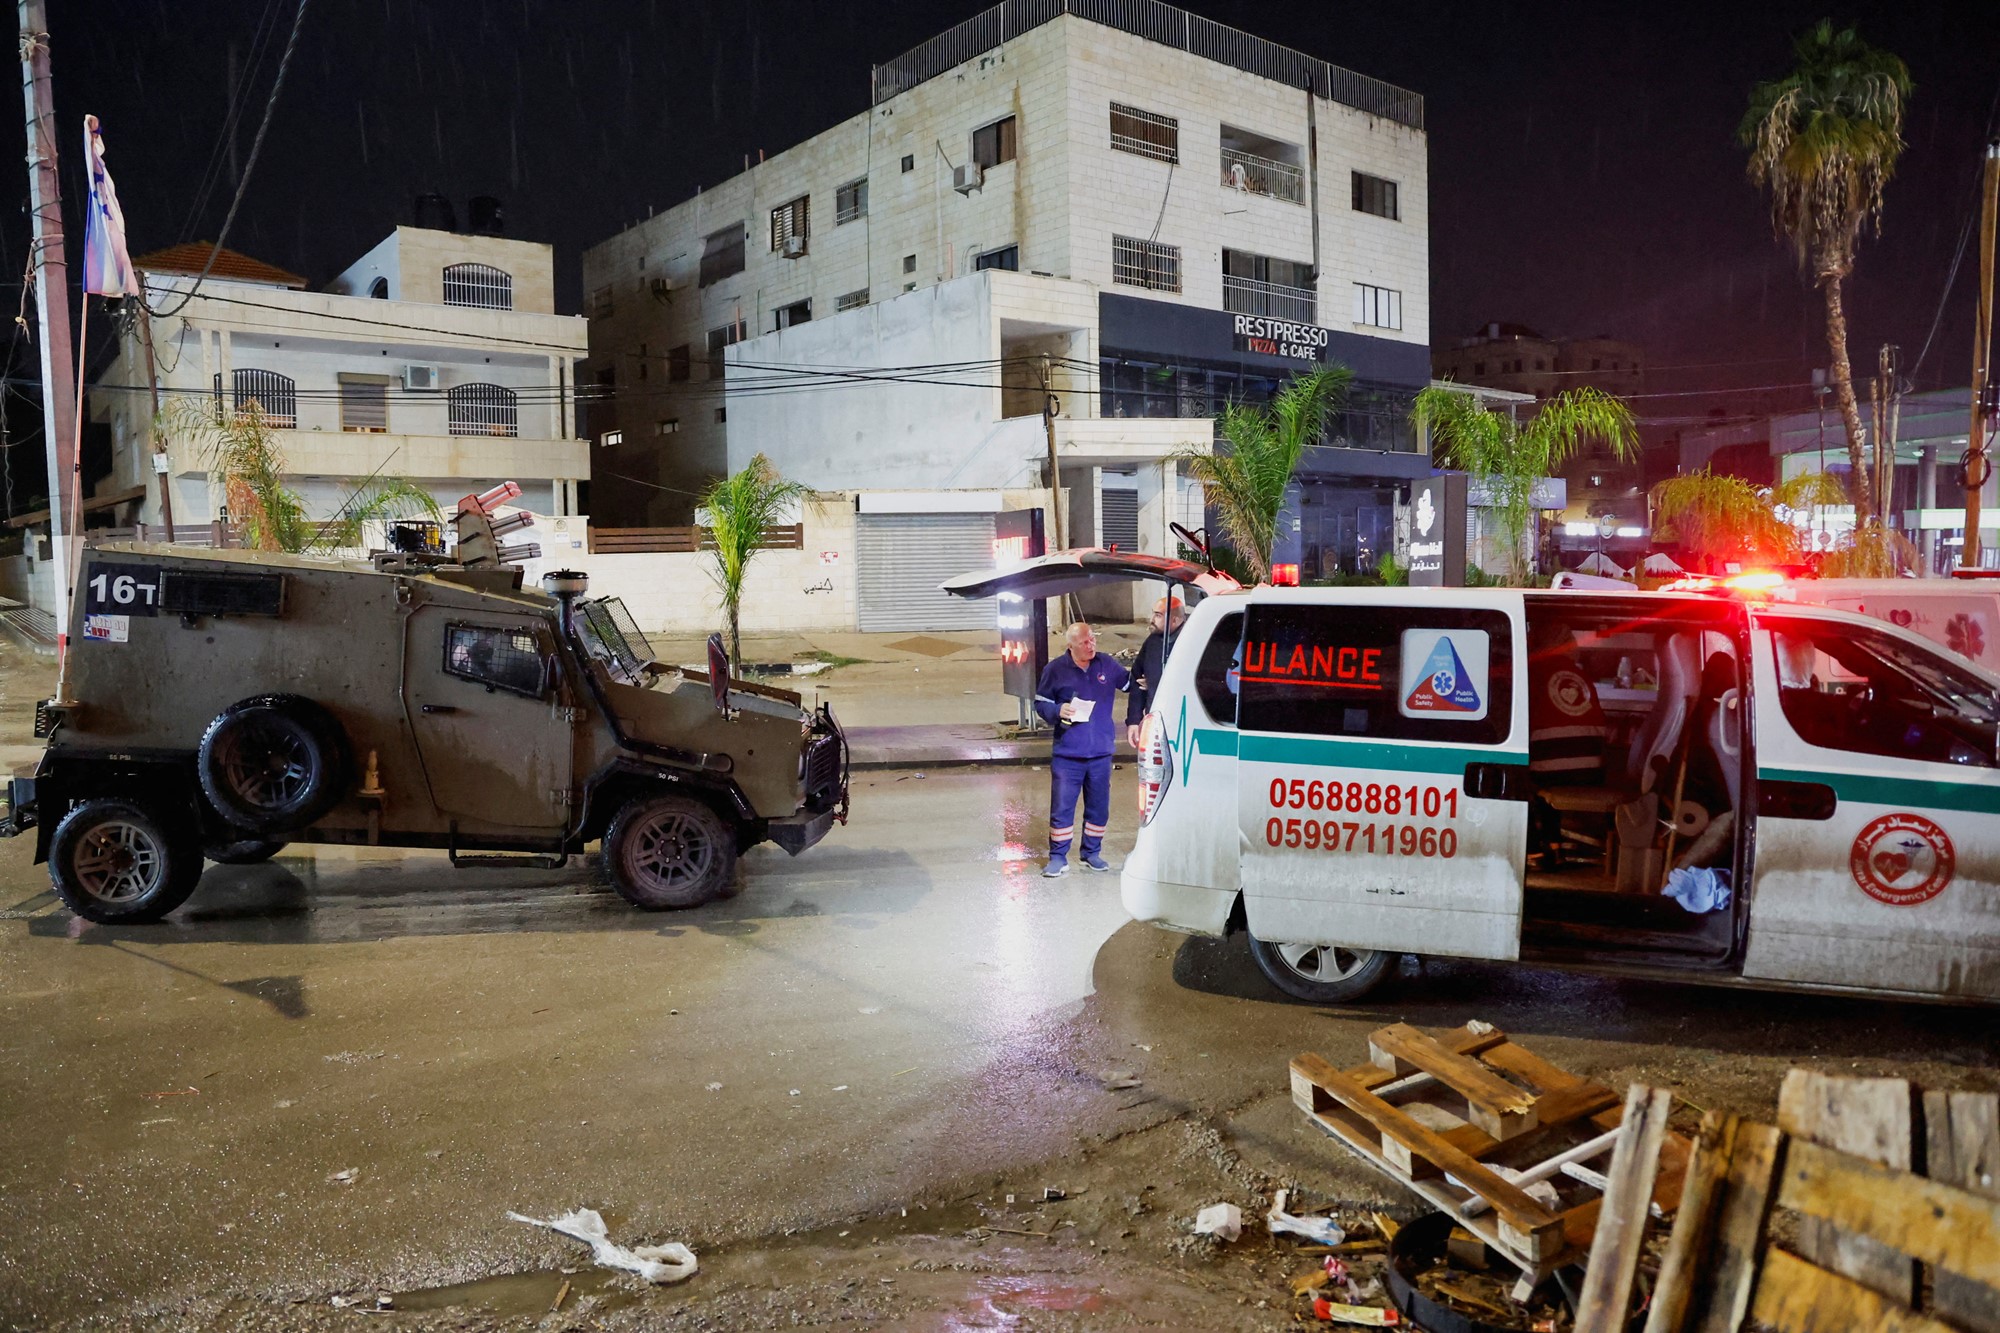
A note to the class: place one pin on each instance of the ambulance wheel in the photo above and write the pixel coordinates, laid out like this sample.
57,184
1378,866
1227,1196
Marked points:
1321,973
118,863
665,852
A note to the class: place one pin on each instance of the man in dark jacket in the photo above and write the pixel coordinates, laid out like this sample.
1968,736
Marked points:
1146,668
1075,696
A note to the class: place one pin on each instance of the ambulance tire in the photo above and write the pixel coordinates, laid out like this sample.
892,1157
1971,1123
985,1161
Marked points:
1322,974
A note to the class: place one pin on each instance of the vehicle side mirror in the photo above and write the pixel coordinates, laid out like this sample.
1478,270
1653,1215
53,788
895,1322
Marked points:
718,673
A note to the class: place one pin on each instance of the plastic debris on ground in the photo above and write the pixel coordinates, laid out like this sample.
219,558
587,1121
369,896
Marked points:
1700,891
659,1264
1224,1221
1322,1230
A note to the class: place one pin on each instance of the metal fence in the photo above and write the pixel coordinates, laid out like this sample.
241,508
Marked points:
1263,175
1248,296
1155,21
640,541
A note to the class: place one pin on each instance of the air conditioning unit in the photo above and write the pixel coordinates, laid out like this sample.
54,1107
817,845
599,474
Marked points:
662,288
794,247
420,378
968,178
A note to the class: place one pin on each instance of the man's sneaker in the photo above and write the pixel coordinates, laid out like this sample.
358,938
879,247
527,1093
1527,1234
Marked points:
1055,870
1094,861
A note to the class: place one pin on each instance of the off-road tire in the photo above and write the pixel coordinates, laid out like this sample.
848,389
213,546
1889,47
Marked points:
118,862
249,852
1322,974
664,852
273,763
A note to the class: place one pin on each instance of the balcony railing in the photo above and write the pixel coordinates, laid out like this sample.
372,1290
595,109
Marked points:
1248,296
1263,175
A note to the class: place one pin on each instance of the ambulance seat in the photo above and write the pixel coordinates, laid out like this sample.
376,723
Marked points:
1723,701
1659,734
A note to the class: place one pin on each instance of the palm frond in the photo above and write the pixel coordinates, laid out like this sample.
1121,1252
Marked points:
1716,518
740,507
381,499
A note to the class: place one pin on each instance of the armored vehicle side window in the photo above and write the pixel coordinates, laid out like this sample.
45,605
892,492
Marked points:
1215,674
1843,687
1389,673
500,659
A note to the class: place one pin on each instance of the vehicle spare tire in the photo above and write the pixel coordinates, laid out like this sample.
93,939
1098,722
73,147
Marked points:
273,763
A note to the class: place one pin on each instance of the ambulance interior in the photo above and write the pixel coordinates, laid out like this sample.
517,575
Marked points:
1636,757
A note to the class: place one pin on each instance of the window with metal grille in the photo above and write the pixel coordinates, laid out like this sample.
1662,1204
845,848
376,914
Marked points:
479,285
499,658
717,340
364,403
851,300
722,254
612,637
222,594
1145,132
1148,264
1374,195
791,223
1007,257
850,202
994,144
482,409
276,396
678,363
1254,284
1382,308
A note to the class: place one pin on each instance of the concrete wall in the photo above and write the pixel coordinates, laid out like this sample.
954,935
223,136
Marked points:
414,258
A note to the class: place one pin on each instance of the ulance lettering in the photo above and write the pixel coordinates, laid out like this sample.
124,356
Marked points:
1334,666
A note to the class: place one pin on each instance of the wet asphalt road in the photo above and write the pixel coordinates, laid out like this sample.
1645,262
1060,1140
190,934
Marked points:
341,1070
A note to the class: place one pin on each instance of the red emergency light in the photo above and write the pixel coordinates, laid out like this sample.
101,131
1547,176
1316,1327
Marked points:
1284,576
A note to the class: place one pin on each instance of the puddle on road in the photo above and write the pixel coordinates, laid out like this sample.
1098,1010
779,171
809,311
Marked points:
512,1294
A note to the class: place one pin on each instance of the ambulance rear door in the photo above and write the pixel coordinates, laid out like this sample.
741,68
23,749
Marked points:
1382,774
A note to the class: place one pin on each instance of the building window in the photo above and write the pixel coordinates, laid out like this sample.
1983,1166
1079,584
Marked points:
379,289
364,403
798,312
479,285
722,254
600,302
850,202
909,163
909,263
1147,264
791,223
481,409
1261,285
677,363
994,144
1258,164
668,426
1374,195
276,396
1381,308
717,340
1007,257
1145,133
721,416
851,300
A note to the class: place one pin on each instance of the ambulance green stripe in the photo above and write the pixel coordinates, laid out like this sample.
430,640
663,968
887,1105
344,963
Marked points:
1328,752
1909,793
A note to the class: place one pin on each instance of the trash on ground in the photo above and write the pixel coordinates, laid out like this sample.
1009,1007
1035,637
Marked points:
1373,1316
1118,1080
1699,890
1224,1221
1322,1230
658,1264
347,1177
1050,1194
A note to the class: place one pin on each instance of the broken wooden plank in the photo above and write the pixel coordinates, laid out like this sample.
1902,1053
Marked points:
1496,1106
1686,1259
1926,1220
1606,1300
1962,1134
1794,1296
1724,1297
1869,1118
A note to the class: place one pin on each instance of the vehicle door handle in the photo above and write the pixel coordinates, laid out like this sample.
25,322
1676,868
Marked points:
1499,782
1780,799
440,708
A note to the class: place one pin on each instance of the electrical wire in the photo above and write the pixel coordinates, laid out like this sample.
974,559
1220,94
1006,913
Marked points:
260,38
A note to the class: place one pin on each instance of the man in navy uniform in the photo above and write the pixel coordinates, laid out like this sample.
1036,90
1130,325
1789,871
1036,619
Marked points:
1075,696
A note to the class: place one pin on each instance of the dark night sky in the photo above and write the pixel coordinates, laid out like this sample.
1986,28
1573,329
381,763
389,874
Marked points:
1584,173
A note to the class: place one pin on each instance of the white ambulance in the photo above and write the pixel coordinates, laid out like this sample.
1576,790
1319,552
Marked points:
1680,786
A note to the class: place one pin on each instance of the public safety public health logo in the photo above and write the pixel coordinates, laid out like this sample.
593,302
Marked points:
1902,860
1446,686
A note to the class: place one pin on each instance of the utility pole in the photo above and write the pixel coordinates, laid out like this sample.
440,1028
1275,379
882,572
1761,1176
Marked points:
162,464
1975,448
1068,609
51,300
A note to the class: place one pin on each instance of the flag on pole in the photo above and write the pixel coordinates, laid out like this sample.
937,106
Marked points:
107,265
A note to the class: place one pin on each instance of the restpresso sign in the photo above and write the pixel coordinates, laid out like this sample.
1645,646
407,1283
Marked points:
1281,337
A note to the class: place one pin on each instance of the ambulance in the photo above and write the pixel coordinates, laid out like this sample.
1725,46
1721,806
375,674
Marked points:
1715,789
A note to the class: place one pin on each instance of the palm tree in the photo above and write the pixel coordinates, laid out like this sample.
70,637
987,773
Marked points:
1716,518
1824,139
248,466
740,508
1246,485
1508,458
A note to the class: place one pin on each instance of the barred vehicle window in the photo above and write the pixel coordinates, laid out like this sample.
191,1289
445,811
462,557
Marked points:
1146,133
500,658
479,285
481,409
1148,264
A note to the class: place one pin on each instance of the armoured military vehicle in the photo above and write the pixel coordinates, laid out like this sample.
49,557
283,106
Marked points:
222,704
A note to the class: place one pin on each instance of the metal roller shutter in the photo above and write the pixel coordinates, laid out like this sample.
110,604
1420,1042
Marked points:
901,558
1121,520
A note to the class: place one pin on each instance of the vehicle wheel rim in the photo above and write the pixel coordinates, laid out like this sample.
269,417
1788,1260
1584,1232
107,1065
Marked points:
671,851
1323,962
269,768
119,861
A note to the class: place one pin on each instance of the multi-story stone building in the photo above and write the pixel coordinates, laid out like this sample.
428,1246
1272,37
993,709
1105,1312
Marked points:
1129,213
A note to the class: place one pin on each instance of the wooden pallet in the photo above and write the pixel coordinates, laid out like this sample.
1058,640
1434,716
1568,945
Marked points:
1865,1226
1439,1113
